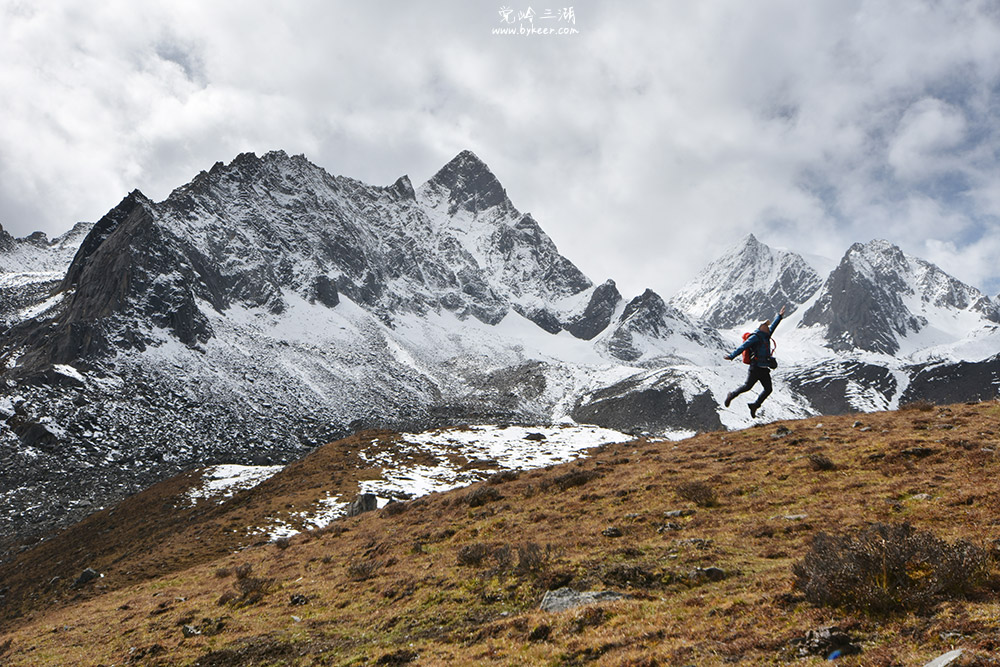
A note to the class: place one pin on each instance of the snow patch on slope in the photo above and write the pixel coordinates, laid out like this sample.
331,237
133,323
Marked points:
225,481
493,447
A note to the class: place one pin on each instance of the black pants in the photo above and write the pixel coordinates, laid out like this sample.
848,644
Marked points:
755,375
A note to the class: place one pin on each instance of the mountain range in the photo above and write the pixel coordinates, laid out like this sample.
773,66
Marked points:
268,307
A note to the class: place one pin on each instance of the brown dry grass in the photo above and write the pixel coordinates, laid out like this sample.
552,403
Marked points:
421,602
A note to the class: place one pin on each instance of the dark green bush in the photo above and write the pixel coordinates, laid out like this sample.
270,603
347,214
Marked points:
886,569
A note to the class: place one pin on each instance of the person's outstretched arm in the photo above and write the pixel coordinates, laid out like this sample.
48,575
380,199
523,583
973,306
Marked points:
751,339
777,319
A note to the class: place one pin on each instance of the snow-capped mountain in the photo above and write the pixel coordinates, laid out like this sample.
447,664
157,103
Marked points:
267,307
31,267
881,300
650,331
751,281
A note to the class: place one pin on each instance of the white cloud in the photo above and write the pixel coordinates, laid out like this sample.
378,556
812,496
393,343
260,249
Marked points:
927,133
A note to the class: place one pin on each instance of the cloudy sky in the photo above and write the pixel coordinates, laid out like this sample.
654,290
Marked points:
646,137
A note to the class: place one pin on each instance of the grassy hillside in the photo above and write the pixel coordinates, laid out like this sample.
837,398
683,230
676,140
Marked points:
702,535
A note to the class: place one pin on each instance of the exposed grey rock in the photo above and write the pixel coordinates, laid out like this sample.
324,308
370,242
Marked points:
190,631
646,329
597,315
700,575
611,531
862,301
678,513
957,382
565,598
364,502
86,577
6,240
861,304
946,659
650,403
325,291
470,184
826,386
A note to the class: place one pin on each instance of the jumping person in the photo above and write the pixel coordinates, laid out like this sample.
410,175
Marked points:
761,362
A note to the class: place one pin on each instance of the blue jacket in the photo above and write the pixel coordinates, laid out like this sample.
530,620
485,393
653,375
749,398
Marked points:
759,344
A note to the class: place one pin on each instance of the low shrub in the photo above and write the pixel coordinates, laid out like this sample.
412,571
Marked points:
246,591
394,508
361,570
885,569
699,493
819,462
473,554
575,478
481,495
504,476
531,558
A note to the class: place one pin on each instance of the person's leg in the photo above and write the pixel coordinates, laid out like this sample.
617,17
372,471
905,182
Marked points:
764,376
747,386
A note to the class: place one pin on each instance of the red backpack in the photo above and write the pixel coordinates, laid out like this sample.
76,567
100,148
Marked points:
747,358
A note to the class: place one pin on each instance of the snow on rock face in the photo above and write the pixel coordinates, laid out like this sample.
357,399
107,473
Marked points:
30,270
653,402
749,282
467,183
878,297
6,240
651,331
518,259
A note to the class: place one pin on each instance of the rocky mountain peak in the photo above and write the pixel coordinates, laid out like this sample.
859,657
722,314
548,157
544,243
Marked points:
862,301
649,328
878,296
598,313
6,240
403,188
134,204
750,281
468,184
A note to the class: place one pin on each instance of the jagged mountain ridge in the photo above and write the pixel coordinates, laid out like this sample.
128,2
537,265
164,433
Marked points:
878,296
250,231
267,307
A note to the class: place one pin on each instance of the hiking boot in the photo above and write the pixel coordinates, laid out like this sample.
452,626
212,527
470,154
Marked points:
753,410
729,398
